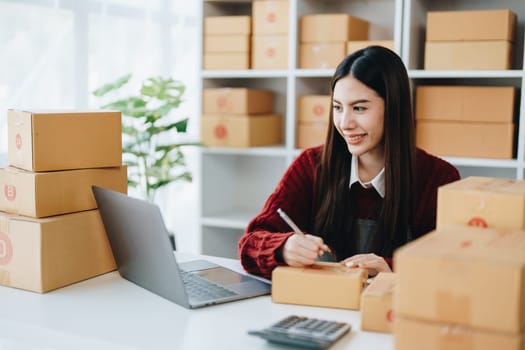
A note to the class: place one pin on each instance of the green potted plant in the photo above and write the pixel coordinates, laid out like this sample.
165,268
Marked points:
153,159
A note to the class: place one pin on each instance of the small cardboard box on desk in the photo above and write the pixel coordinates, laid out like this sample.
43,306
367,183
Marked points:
322,284
376,303
461,287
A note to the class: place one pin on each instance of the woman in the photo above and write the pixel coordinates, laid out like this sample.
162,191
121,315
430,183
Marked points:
367,191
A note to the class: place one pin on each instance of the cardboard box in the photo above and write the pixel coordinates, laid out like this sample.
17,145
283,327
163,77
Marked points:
241,131
314,108
57,192
471,25
327,285
227,60
483,202
333,28
377,313
463,275
321,55
227,43
58,140
237,101
44,254
468,55
311,134
466,103
227,25
355,45
270,17
472,140
417,335
269,51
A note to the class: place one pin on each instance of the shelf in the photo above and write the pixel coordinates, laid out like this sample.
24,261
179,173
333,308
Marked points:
238,219
498,74
229,1
236,182
483,162
221,74
278,151
314,73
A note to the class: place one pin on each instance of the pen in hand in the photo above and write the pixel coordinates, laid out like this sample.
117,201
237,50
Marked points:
294,227
289,221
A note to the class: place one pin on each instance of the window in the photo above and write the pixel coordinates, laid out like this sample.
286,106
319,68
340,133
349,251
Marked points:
55,52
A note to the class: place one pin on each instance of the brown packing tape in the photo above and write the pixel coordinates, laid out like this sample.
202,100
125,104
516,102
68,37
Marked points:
453,307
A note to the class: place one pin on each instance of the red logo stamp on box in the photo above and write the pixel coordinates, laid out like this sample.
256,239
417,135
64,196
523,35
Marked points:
18,141
319,110
6,249
221,102
465,244
10,192
478,222
270,17
390,315
270,52
220,132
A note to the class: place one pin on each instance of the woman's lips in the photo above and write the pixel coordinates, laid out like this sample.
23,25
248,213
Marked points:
354,139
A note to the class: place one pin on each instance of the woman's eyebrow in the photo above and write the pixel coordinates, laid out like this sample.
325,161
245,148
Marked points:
363,100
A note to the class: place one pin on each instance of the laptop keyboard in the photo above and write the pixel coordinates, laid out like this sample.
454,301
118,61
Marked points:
201,289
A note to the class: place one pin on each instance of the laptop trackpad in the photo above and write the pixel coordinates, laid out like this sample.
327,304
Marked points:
196,265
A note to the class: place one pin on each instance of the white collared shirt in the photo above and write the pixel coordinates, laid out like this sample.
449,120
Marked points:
378,182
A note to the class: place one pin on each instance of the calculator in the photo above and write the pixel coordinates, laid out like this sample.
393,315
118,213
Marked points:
305,332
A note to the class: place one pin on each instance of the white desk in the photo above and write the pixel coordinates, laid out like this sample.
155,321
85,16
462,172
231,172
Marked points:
108,312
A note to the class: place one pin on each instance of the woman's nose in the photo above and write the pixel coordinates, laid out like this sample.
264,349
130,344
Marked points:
347,120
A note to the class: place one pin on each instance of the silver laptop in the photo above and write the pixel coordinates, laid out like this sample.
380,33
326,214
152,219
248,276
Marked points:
144,255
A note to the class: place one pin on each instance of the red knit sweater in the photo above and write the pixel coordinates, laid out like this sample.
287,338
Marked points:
296,191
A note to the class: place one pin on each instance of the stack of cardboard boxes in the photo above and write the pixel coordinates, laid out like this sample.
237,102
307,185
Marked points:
463,285
227,42
270,34
475,40
324,38
477,121
239,117
313,120
466,121
51,234
461,288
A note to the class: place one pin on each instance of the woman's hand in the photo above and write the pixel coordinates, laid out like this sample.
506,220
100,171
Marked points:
303,250
372,262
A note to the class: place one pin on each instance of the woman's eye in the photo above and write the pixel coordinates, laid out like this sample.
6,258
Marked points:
359,108
337,108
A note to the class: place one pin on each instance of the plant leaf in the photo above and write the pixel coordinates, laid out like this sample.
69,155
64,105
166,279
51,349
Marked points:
104,89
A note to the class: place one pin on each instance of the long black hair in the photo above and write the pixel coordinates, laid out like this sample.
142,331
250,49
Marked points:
384,72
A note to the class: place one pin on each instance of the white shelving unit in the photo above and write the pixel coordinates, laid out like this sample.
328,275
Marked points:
234,183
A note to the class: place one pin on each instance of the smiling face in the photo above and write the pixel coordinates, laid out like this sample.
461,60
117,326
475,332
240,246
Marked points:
358,115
